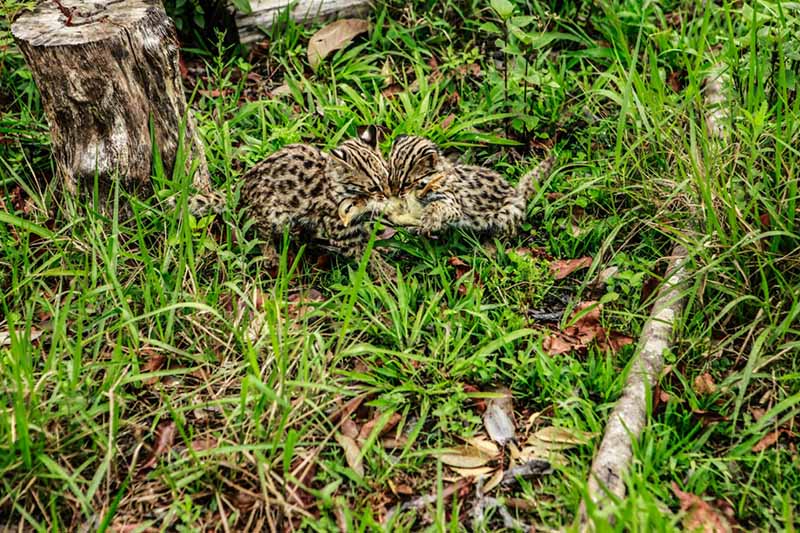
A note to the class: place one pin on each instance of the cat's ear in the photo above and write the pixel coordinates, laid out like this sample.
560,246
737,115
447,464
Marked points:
370,135
339,154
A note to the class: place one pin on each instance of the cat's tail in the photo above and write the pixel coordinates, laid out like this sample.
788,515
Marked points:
528,183
202,204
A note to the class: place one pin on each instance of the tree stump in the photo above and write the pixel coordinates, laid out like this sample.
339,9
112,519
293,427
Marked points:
106,70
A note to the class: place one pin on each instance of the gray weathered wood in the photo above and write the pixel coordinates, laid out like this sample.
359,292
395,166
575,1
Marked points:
628,419
263,14
105,69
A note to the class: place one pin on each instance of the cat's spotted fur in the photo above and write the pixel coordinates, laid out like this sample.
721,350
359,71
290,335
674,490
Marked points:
434,194
327,195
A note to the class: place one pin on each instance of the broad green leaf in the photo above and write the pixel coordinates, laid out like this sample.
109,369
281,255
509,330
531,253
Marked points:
504,8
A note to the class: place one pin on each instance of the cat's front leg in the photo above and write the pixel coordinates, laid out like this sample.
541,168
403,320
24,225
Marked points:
437,217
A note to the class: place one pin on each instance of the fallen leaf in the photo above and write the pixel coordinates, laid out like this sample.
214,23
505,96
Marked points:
485,446
448,120
393,443
475,473
349,428
767,441
493,481
215,93
465,457
461,269
165,437
366,429
332,37
533,468
5,336
699,514
472,69
199,445
757,413
613,341
538,253
584,330
344,411
674,81
281,90
557,438
386,234
352,453
498,419
564,267
392,90
400,488
704,384
298,302
153,363
386,73
603,276
709,417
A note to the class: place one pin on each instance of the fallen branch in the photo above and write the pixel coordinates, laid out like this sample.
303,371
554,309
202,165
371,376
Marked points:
627,420
629,415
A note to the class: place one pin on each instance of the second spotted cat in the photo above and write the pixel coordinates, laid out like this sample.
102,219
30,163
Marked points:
433,194
325,194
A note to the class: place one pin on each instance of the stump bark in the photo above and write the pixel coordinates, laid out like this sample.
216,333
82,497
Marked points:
106,70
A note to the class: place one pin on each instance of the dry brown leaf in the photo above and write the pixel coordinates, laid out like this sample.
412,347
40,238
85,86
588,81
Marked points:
367,428
704,384
5,336
700,515
352,453
473,69
392,90
393,443
485,446
281,90
767,441
165,437
448,120
155,360
475,473
200,445
332,37
603,276
400,488
757,413
498,419
349,428
583,331
493,481
554,438
465,457
386,72
564,267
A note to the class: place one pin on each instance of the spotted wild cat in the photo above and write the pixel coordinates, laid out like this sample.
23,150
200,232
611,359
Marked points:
328,195
433,194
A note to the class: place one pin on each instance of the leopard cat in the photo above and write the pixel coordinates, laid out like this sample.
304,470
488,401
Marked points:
432,194
327,195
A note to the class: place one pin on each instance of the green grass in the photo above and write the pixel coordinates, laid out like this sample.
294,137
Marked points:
617,87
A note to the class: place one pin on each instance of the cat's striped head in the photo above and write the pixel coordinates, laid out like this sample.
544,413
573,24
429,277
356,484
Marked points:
362,180
415,165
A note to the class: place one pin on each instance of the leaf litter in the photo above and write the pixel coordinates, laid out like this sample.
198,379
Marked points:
334,36
584,331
